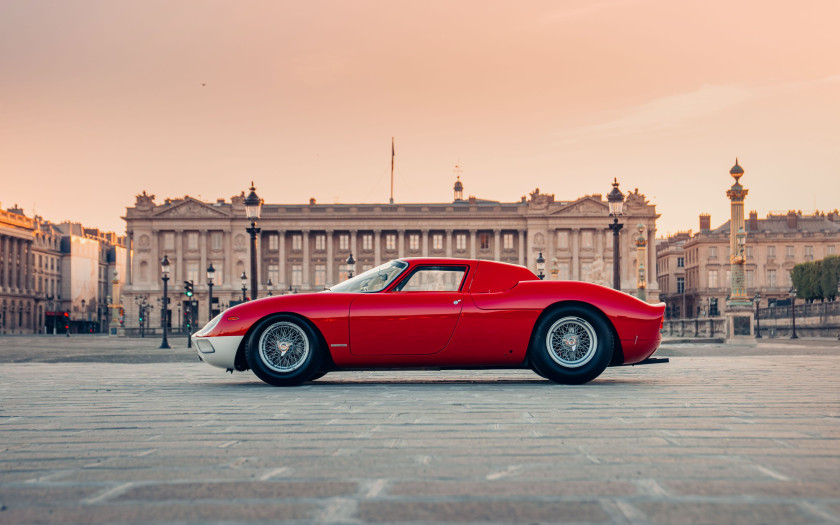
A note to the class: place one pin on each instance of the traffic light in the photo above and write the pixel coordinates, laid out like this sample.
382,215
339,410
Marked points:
188,288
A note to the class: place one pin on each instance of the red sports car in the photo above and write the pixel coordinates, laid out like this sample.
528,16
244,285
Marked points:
436,313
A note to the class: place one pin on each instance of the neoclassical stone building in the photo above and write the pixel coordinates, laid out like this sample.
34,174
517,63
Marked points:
304,247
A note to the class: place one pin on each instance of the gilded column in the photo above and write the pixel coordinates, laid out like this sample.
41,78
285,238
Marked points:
737,239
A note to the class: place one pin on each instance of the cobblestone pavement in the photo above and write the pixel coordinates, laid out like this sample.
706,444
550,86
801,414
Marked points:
719,435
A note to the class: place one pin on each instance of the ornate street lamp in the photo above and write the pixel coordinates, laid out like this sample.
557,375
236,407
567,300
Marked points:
541,265
616,202
351,266
253,204
757,322
269,286
164,312
211,274
244,285
793,312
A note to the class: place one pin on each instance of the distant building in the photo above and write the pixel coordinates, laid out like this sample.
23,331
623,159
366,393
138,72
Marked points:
693,269
304,247
43,278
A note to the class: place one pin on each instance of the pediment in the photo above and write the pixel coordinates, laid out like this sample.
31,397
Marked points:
190,208
586,206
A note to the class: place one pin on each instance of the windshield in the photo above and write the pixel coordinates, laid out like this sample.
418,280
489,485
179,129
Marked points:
373,280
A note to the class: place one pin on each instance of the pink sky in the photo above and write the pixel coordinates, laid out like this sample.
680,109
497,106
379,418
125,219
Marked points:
100,100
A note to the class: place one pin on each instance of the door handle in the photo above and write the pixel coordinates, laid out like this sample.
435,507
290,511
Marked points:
456,301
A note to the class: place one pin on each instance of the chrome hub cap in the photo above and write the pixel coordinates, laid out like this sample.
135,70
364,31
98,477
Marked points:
571,342
283,347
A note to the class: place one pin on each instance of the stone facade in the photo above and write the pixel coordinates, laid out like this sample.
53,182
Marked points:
36,275
303,247
773,246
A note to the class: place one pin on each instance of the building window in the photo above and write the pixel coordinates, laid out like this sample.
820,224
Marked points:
216,240
771,278
484,241
750,278
192,272
297,275
219,277
414,242
680,262
390,242
169,241
749,252
273,242
586,239
809,253
192,240
320,242
771,252
563,240
297,242
367,242
829,250
507,241
274,274
713,252
564,273
713,278
461,241
320,275
789,253
437,241
680,284
344,242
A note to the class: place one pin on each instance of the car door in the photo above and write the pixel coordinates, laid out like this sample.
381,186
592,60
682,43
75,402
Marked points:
418,316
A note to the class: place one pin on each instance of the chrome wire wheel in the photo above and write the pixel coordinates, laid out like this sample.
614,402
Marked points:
283,347
571,342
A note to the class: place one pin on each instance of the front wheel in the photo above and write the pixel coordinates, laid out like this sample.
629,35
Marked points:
283,351
572,345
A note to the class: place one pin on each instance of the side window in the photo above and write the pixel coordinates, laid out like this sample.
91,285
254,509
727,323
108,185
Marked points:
433,279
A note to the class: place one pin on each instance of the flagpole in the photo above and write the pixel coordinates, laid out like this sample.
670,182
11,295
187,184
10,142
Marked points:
392,170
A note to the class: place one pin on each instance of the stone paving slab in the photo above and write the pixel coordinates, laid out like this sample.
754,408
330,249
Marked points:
746,439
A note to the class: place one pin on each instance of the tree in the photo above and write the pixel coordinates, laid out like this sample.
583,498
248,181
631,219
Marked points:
817,279
829,277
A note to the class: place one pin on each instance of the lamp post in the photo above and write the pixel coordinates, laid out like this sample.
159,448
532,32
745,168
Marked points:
757,322
351,266
164,312
269,286
253,204
541,266
793,312
211,274
616,202
244,285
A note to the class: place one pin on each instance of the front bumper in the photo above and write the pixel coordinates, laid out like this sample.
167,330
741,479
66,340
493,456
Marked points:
217,351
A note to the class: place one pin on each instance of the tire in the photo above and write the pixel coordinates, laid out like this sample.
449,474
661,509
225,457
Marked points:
283,351
318,375
572,345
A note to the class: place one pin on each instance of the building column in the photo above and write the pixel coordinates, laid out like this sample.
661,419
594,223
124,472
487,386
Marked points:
305,278
449,243
202,266
129,242
4,271
425,246
29,274
400,243
353,247
521,247
227,245
472,244
13,254
377,248
651,262
497,245
281,260
575,254
180,270
329,279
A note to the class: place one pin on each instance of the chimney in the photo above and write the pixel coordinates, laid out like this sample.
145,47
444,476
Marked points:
312,201
705,222
753,222
792,220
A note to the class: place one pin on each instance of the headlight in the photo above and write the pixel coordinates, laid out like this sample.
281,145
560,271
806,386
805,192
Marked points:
210,326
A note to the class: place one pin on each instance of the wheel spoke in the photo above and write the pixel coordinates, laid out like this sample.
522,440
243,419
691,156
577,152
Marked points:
571,342
284,347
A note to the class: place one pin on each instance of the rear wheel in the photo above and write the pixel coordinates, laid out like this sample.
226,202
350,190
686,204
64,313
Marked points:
283,351
572,345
